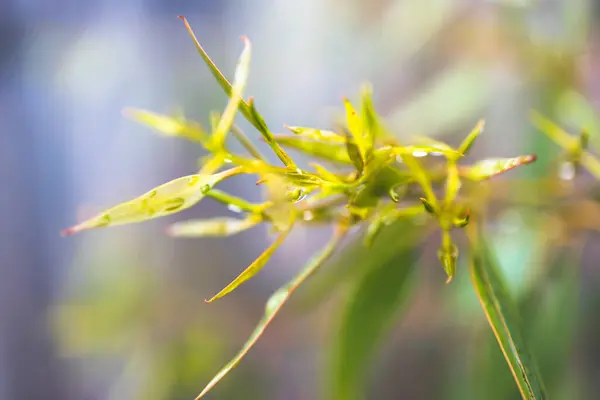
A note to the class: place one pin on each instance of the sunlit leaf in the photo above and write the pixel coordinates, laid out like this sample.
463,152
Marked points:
317,134
375,303
421,177
466,145
448,254
168,126
503,318
326,174
166,199
434,148
369,118
354,124
253,268
335,152
452,183
274,304
491,167
354,153
249,113
216,227
235,97
553,131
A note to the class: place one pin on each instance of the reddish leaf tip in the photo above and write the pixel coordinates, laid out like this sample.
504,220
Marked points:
181,17
69,231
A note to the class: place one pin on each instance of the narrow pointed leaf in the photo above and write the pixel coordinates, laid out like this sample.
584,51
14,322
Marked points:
421,177
355,126
274,304
466,145
375,304
354,153
369,118
503,317
452,183
253,268
168,126
166,199
235,97
215,227
553,131
249,113
489,168
335,152
326,174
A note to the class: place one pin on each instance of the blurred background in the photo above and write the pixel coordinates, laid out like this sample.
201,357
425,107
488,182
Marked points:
120,313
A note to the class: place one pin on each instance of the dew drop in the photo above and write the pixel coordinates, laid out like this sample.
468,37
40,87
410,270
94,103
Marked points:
308,215
566,171
234,208
419,153
205,189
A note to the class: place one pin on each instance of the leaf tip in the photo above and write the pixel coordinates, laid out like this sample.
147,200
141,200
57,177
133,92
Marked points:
69,231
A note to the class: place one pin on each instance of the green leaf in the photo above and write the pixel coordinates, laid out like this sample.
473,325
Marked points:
354,153
421,177
248,110
503,317
166,199
235,96
335,152
274,304
168,126
369,118
486,169
317,134
434,148
216,227
374,305
325,174
253,268
355,126
553,131
452,183
466,145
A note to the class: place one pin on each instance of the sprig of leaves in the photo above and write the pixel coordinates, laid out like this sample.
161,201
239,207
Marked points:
379,182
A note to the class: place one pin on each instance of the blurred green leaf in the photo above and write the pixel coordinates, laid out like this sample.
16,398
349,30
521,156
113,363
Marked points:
216,227
168,126
452,98
374,304
466,145
274,304
335,152
166,199
503,317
